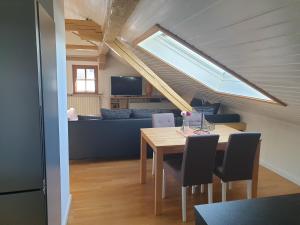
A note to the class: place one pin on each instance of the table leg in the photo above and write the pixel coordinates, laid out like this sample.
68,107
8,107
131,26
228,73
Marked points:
255,172
158,182
143,160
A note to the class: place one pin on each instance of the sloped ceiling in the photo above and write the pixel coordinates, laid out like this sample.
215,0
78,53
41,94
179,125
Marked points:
259,39
84,9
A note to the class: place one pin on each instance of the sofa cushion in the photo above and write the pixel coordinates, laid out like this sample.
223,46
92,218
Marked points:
89,117
144,113
115,113
166,111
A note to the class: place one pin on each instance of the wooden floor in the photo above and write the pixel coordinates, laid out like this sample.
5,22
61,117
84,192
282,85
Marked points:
105,193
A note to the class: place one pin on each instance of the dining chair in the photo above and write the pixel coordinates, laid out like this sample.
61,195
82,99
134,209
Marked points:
194,168
161,120
238,161
196,119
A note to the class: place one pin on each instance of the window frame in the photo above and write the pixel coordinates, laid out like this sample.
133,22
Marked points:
85,67
157,28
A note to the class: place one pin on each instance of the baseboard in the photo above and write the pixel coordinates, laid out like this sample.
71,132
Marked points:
281,172
66,216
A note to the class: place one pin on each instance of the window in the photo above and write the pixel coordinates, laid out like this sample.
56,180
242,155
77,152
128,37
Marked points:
85,79
190,61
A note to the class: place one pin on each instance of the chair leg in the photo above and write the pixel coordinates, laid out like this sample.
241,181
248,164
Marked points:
153,164
194,189
210,193
224,185
183,203
229,185
164,183
249,189
202,188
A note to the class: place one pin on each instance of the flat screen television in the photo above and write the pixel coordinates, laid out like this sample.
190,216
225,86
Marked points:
126,85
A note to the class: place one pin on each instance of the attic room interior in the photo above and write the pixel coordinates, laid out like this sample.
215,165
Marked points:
150,112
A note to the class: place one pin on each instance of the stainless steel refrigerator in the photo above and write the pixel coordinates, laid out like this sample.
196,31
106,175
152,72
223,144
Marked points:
28,110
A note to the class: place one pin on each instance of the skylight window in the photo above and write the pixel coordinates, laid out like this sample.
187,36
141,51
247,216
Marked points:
180,56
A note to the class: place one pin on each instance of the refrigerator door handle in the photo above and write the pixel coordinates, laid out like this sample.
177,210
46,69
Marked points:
44,187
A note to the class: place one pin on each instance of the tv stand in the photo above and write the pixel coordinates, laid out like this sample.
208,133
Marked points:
122,102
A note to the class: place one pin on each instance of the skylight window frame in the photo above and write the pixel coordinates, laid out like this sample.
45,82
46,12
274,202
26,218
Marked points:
157,28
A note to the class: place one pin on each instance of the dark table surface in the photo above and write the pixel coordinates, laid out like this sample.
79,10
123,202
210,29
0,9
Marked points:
277,210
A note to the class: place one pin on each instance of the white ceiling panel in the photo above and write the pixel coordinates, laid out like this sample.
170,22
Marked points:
83,9
259,39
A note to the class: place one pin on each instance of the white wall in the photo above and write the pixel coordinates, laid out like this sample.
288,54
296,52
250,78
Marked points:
280,150
62,109
113,68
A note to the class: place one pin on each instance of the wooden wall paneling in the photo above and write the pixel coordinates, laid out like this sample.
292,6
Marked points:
88,104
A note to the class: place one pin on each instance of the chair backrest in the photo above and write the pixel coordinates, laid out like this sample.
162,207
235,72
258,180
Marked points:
199,159
239,156
163,120
195,120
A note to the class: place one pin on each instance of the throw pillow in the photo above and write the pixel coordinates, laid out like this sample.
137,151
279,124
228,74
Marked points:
72,114
216,107
112,114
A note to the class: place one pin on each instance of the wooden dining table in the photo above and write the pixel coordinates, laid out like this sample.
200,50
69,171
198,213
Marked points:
170,140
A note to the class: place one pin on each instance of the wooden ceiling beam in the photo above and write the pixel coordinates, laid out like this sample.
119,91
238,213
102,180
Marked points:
86,29
82,47
101,59
125,53
82,58
118,13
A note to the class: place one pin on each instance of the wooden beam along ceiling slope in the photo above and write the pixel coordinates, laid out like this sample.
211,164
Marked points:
118,13
149,75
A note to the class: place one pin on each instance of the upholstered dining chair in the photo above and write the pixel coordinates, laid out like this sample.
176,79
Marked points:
238,161
196,119
161,120
195,167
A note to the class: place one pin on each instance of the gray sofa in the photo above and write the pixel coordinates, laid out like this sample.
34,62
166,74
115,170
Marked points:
96,138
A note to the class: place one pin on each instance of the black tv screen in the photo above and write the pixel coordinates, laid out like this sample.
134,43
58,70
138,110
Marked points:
128,86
